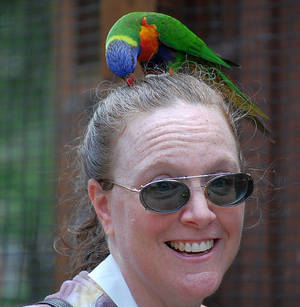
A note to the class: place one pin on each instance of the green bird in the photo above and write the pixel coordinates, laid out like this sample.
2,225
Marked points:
162,43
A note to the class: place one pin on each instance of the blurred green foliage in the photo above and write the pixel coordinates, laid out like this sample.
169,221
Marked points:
27,153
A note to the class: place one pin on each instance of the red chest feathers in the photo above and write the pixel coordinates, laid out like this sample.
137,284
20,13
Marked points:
149,43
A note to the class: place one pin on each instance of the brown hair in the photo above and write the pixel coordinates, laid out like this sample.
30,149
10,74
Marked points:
84,237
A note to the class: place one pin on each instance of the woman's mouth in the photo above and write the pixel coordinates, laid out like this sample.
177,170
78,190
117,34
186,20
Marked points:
191,247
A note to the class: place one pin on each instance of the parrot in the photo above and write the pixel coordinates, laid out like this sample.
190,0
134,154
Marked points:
159,42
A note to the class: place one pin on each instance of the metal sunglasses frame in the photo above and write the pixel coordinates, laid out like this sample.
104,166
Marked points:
175,179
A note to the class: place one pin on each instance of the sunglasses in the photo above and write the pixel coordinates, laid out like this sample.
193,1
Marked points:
171,194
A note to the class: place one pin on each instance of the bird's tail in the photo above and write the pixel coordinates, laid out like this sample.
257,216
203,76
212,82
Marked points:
242,100
243,103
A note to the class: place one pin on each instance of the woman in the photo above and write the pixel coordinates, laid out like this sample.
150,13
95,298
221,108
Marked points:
165,177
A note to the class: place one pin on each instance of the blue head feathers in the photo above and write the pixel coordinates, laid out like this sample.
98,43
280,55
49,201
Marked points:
121,58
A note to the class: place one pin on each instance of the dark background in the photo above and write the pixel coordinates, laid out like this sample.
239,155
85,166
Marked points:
51,56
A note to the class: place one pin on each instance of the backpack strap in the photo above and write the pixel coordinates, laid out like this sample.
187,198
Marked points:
54,302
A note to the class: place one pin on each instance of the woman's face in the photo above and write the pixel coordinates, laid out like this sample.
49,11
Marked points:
184,140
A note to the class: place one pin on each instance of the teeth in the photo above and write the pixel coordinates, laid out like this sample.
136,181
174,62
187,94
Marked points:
188,247
194,247
181,246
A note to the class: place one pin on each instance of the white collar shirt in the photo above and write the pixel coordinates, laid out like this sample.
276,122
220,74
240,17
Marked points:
109,277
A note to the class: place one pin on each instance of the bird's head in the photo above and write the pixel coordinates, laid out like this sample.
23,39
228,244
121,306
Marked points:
121,58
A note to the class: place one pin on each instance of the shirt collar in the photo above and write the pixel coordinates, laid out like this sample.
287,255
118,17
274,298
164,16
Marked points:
109,277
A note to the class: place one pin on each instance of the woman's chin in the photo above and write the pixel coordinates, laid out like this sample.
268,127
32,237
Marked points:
196,287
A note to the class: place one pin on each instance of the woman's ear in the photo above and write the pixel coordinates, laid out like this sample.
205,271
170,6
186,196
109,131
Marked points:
101,204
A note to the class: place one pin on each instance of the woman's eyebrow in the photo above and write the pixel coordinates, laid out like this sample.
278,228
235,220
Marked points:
227,164
223,164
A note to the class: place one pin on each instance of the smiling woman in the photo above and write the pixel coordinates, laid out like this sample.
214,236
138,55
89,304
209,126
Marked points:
166,184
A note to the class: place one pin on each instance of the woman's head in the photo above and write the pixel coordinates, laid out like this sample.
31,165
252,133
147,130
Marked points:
164,127
125,103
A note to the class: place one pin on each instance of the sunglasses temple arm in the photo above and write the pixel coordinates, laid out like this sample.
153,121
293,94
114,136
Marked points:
126,188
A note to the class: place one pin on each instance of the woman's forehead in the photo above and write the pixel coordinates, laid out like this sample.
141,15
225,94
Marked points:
177,130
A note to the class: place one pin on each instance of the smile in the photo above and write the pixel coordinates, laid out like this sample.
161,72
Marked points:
191,247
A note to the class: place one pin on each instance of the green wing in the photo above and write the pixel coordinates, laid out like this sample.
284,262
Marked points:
176,35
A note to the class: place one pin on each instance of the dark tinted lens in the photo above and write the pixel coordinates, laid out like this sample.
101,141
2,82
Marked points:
164,196
229,190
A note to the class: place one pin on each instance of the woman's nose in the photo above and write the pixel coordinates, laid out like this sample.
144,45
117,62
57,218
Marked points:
198,212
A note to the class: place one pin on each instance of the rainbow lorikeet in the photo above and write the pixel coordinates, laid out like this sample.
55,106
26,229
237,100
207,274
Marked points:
161,42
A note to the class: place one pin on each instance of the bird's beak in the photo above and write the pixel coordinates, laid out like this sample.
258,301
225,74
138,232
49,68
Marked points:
130,80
